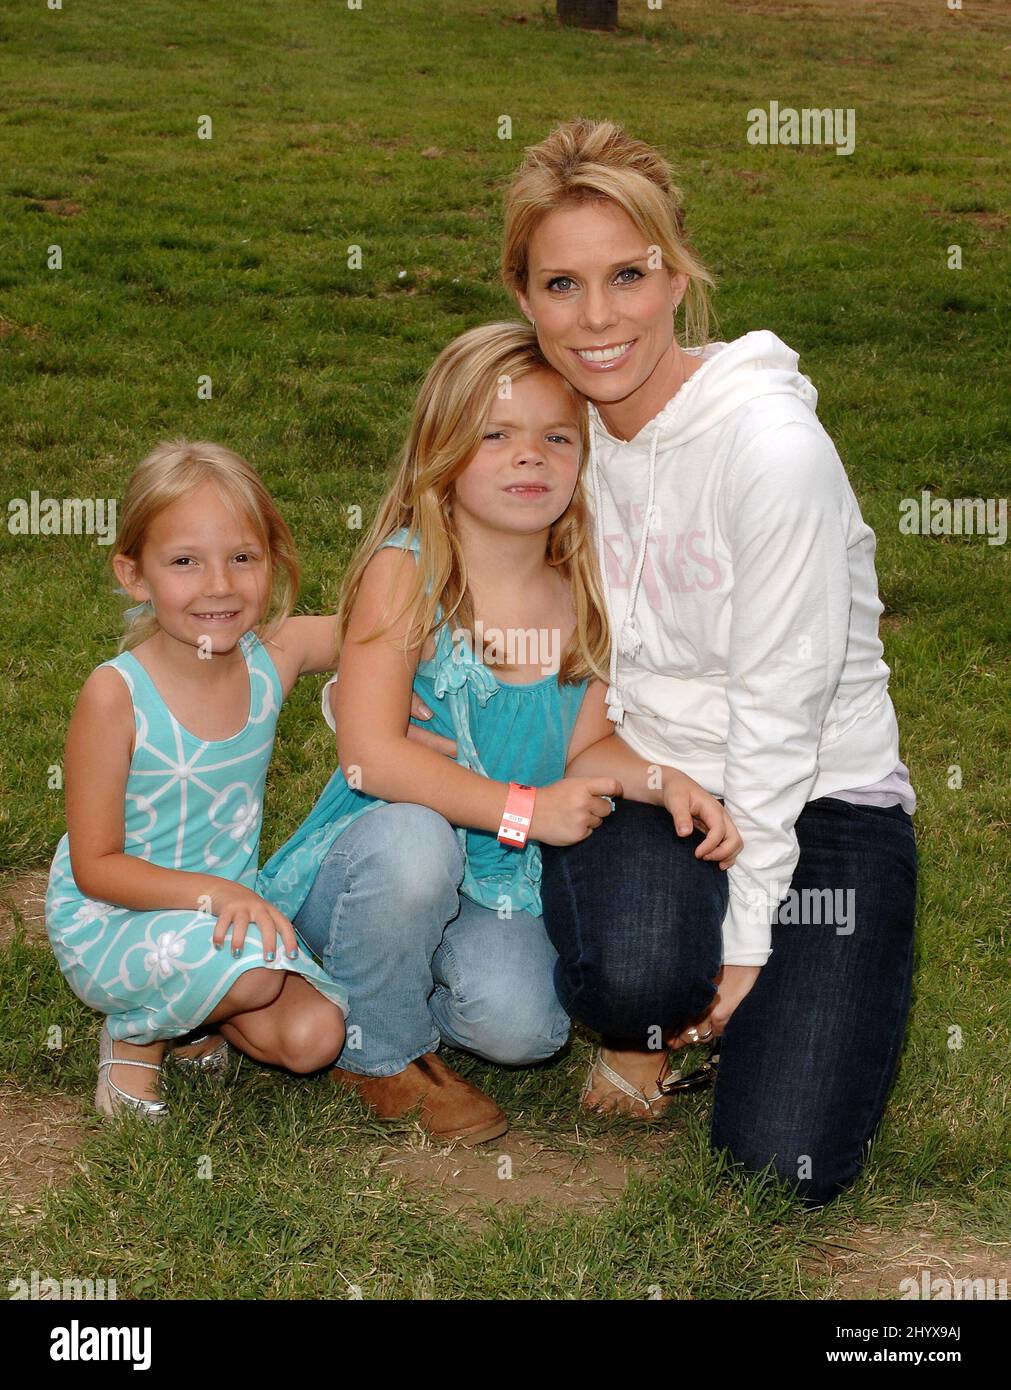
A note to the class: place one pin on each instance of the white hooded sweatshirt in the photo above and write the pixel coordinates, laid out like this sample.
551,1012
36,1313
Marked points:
745,613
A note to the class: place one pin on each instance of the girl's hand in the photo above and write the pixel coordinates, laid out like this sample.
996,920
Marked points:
419,710
694,808
734,983
236,907
571,810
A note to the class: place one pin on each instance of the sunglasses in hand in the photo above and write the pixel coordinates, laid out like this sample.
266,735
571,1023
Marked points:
696,1080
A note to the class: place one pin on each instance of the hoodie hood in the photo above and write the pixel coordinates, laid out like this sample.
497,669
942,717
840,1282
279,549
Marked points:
757,364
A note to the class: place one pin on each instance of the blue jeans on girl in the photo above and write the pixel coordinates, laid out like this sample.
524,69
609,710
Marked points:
419,961
808,1056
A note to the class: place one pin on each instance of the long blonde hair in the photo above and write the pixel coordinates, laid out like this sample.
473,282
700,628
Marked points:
589,161
446,428
173,469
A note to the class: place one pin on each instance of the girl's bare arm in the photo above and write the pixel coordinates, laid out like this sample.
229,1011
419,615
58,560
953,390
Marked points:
596,749
302,646
372,706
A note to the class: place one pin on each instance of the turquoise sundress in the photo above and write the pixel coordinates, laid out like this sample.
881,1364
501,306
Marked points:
504,731
192,804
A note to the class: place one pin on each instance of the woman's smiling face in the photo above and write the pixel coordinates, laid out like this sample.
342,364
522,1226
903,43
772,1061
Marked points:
603,306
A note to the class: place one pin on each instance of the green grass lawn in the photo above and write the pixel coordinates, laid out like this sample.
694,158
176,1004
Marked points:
228,257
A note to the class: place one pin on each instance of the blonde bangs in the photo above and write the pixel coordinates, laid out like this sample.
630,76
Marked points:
170,472
584,161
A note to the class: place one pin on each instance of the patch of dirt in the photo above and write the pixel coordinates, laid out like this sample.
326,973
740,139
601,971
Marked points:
38,1137
59,207
872,1263
26,894
910,11
989,221
27,330
512,1171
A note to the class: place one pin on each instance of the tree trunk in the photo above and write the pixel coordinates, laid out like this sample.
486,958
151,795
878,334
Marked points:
589,14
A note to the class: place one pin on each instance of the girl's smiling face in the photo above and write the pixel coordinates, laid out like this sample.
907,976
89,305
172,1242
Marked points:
604,309
523,474
204,569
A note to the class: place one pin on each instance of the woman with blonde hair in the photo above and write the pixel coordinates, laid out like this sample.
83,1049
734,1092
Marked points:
739,580
417,881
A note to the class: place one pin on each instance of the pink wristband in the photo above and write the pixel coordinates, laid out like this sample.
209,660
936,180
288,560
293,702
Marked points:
518,813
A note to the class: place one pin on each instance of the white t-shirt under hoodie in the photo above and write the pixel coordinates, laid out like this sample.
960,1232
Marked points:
744,617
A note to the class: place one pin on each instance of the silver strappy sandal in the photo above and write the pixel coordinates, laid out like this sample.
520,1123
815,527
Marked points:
215,1061
673,1083
650,1103
108,1097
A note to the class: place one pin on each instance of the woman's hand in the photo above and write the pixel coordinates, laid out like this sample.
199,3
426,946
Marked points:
436,742
572,809
235,907
734,983
692,807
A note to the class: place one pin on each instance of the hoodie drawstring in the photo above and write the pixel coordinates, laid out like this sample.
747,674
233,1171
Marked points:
628,638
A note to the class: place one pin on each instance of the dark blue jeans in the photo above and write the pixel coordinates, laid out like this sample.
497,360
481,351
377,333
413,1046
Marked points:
809,1055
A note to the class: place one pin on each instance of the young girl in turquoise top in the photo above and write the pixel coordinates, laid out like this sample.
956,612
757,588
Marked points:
479,558
166,760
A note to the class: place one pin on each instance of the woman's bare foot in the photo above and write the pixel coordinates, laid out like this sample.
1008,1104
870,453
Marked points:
641,1071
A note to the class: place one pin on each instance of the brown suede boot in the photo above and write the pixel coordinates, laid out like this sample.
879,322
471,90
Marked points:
451,1108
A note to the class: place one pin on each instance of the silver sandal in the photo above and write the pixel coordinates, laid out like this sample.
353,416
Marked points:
215,1061
621,1083
108,1097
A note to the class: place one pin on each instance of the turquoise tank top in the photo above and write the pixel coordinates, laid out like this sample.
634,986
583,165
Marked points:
503,731
192,803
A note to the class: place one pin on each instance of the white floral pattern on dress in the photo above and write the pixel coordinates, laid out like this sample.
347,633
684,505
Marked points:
194,805
169,946
235,814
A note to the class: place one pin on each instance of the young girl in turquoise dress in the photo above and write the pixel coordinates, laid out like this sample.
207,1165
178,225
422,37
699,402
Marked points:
479,556
166,760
